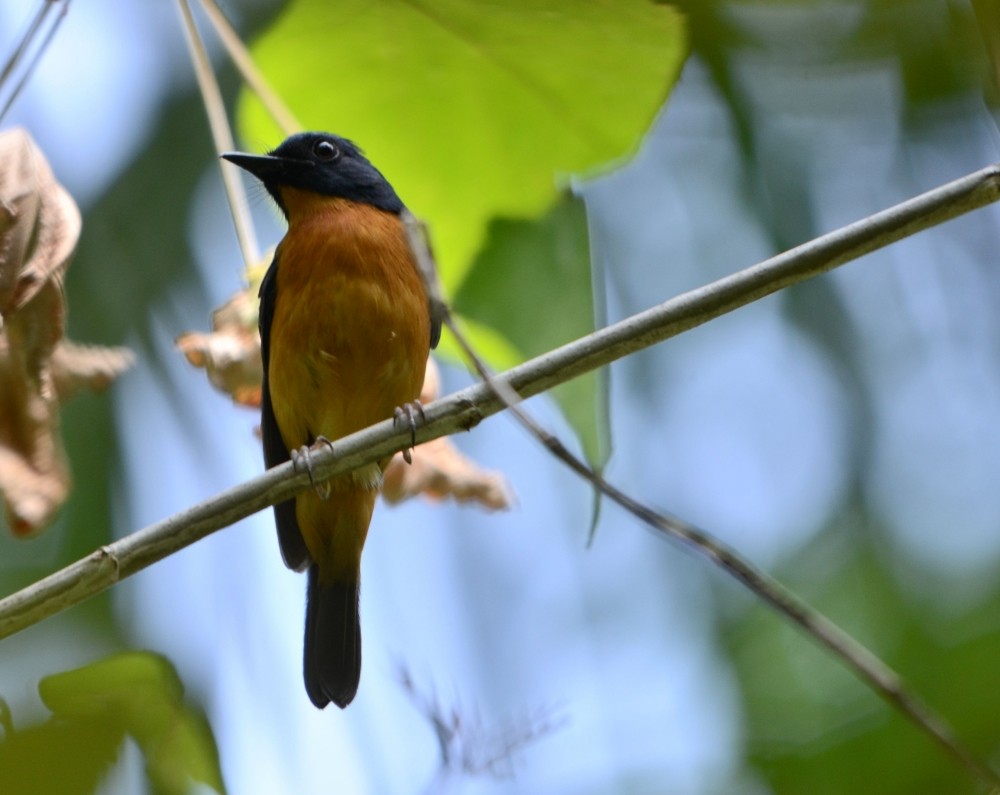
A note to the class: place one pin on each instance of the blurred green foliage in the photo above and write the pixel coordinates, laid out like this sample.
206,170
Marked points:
813,727
94,708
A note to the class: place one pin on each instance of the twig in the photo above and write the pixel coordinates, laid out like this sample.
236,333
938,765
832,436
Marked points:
465,409
20,52
222,136
865,664
467,746
237,50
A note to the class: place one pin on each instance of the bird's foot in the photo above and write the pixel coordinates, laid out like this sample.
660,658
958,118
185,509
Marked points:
302,460
409,415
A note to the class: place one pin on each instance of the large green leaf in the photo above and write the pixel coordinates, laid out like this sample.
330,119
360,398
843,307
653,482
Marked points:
58,758
93,708
473,109
478,112
537,273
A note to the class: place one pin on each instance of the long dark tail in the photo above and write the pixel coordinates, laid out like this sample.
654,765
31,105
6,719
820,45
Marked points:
333,642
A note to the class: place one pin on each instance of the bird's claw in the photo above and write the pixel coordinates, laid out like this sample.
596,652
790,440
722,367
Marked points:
407,416
302,460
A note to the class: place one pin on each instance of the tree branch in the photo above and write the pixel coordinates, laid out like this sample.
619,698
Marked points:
465,409
881,678
248,70
24,47
222,135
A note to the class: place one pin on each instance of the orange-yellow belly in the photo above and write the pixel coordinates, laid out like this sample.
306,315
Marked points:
349,340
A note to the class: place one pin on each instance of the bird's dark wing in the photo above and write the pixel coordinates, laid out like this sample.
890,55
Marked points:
436,318
293,547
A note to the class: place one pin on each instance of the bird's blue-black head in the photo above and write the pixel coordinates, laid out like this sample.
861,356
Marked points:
321,163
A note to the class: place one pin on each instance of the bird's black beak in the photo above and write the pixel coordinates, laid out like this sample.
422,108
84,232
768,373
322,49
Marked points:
265,167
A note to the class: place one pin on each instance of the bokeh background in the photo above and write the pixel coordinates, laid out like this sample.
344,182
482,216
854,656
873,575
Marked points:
844,435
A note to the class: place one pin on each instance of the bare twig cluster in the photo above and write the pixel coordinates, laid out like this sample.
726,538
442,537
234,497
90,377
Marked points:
468,745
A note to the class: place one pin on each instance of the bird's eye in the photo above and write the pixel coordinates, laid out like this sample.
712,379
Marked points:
326,150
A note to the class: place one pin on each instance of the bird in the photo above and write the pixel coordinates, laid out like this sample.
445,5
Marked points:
345,330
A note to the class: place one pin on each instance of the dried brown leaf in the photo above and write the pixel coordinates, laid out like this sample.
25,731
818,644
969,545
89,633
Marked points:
39,228
230,353
39,223
92,368
440,471
34,474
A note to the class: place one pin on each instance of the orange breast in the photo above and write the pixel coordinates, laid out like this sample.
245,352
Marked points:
350,331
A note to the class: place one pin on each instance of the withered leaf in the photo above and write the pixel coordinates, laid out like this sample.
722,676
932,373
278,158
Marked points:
39,223
39,228
230,353
91,368
440,471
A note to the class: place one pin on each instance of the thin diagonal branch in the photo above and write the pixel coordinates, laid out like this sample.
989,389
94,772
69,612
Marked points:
222,135
866,665
465,409
23,47
248,70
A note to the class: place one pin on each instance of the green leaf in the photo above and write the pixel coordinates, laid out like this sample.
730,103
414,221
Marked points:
58,758
533,280
140,694
473,109
812,726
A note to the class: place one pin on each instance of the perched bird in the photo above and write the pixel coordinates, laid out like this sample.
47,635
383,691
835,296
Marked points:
345,331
